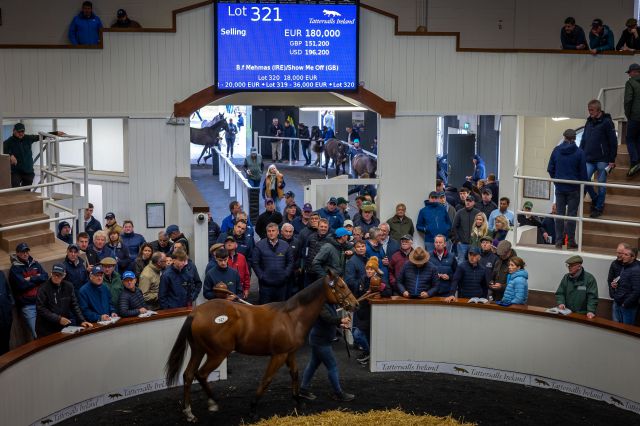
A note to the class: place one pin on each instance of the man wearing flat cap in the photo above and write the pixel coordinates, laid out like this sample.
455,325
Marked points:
578,290
567,162
18,148
632,112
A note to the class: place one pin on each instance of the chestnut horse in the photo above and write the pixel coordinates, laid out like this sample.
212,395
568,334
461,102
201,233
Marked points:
218,327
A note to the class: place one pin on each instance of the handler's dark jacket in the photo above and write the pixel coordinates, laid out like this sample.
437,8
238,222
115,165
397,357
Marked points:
53,302
179,288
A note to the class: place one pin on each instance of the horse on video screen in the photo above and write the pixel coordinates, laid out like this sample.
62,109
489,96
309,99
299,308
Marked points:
218,327
209,136
363,163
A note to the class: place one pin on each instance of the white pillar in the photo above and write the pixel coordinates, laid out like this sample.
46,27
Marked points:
509,156
406,164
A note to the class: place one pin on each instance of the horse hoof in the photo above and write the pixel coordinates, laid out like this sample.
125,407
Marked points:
189,415
213,406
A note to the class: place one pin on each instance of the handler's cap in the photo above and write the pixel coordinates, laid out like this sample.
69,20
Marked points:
406,237
110,215
97,270
341,232
632,67
58,269
22,247
18,127
128,275
574,259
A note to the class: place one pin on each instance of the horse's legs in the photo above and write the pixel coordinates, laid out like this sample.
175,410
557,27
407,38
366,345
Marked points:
194,362
293,371
202,153
213,361
274,365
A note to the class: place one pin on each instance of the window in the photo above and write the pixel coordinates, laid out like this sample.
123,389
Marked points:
71,153
107,144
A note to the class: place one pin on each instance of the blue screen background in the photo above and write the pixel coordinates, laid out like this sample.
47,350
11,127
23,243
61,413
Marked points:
265,44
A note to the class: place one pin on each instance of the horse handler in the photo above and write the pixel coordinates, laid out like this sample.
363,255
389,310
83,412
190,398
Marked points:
320,339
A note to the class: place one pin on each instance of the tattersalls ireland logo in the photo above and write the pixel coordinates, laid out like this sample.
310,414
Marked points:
331,13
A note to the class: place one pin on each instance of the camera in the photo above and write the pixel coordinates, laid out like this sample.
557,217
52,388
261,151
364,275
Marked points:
201,217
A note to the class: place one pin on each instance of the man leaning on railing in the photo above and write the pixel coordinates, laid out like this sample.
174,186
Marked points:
18,147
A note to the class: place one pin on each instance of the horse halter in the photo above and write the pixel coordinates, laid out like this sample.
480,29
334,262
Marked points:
342,296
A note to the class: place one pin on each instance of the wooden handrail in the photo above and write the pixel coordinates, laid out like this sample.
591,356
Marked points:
629,330
35,346
192,195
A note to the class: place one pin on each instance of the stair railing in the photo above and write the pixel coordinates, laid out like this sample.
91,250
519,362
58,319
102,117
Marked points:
580,217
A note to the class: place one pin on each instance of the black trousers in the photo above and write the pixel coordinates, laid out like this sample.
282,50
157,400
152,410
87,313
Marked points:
21,179
5,335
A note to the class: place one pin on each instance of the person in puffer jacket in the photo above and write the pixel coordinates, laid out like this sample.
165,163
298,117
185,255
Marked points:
131,300
433,219
85,26
25,276
627,291
517,289
418,277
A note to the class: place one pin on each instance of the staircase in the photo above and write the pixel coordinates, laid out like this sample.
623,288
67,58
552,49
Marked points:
621,204
22,207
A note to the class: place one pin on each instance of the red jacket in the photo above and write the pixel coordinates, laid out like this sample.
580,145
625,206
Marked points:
395,266
239,263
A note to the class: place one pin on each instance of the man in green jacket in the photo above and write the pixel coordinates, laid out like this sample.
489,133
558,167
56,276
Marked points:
333,254
400,224
632,112
578,289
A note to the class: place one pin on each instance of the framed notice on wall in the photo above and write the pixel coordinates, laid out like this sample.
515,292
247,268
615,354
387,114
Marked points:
155,215
538,189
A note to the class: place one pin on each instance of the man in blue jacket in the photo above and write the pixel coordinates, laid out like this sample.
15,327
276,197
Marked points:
600,37
179,284
75,268
85,26
567,162
94,298
272,263
332,213
445,262
132,240
433,219
471,279
600,145
626,292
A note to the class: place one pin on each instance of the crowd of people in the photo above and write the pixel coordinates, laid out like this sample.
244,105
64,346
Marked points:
601,38
86,25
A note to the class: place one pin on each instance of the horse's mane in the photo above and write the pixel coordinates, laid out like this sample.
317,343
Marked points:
305,296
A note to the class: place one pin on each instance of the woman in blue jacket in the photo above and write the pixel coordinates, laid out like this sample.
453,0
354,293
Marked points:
517,288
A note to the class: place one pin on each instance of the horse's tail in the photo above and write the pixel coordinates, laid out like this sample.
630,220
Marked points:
176,357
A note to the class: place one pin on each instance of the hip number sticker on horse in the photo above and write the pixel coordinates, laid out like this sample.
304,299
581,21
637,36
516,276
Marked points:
221,319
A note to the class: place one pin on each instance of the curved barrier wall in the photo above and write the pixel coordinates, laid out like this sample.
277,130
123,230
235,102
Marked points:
59,376
595,359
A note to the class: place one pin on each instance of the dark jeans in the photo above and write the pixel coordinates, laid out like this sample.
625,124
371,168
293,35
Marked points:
295,148
597,200
567,205
272,294
254,182
230,147
306,152
321,354
633,140
21,179
625,315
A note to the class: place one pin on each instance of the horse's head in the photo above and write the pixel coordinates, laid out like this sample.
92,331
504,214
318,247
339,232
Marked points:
342,152
338,292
